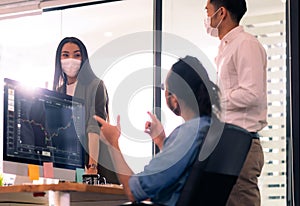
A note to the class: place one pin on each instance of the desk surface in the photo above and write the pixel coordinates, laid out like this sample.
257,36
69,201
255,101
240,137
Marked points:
66,187
80,194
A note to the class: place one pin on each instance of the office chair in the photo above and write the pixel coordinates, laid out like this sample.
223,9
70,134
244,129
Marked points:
215,171
212,179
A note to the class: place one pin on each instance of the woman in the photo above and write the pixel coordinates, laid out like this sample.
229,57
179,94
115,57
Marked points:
74,76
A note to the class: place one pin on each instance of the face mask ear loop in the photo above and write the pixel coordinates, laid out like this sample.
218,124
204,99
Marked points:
221,19
219,23
214,15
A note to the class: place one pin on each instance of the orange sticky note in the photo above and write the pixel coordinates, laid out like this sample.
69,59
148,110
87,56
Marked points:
48,169
33,172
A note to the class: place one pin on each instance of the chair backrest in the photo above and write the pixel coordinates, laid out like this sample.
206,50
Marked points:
211,180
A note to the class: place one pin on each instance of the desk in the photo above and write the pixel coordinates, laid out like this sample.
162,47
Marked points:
62,194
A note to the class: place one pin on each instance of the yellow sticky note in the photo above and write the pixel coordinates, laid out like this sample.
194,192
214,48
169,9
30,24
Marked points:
48,169
33,172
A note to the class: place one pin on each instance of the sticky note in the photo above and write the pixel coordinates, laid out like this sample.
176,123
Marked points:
33,172
48,169
79,173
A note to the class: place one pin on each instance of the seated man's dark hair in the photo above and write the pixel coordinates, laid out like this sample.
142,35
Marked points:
189,81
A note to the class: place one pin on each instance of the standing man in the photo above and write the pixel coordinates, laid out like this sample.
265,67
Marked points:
241,67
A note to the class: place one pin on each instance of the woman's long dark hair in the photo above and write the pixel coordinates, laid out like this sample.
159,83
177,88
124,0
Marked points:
189,81
86,72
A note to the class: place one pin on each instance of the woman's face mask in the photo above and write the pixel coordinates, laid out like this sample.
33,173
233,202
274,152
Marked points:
209,29
70,66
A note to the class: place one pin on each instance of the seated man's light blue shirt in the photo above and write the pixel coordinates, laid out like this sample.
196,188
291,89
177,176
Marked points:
163,178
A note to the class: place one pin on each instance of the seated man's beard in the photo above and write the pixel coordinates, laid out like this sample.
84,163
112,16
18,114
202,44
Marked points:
174,109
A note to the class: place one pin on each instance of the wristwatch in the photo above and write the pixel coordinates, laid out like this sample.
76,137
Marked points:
91,166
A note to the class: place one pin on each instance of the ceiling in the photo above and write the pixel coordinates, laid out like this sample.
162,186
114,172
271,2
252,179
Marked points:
12,6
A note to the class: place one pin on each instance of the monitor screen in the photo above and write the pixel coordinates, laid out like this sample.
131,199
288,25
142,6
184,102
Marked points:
42,126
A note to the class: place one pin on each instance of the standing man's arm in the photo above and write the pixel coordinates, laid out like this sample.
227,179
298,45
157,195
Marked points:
251,70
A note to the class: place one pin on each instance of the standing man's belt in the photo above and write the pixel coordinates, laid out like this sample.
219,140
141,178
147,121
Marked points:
254,135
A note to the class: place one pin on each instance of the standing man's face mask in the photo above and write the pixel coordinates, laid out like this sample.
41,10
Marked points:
70,66
209,29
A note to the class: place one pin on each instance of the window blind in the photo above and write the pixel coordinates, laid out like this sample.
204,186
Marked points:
270,31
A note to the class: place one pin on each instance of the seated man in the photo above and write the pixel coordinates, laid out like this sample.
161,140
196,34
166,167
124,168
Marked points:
190,94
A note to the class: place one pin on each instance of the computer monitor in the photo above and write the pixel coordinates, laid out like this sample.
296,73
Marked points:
40,126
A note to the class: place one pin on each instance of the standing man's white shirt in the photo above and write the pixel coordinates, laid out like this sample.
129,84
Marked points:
242,80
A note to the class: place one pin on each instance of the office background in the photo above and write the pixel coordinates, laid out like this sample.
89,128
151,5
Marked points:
30,32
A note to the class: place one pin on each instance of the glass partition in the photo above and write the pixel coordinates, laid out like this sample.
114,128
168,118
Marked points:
108,30
118,36
266,20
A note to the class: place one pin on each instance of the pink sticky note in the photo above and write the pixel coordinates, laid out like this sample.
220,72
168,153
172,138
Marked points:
33,172
48,169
